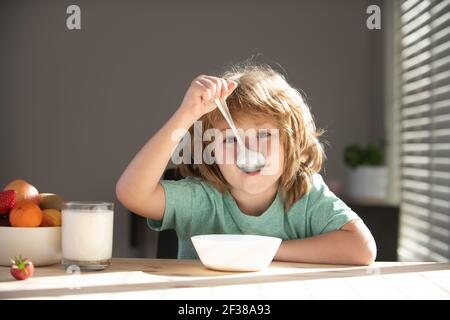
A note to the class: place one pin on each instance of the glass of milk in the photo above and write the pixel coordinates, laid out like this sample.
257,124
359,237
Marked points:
87,234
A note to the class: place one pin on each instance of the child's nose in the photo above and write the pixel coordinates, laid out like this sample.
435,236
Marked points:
250,143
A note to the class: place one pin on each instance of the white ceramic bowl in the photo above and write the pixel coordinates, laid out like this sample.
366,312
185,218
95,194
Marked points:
41,245
235,252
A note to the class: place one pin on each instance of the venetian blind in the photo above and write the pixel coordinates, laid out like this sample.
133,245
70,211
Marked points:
424,101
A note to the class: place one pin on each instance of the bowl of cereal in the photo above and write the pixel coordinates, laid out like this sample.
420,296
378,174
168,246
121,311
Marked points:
236,252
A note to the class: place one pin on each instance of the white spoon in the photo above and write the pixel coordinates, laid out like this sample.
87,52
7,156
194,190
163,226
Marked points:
247,160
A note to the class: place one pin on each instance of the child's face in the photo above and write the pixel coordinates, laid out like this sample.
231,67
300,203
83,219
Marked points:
263,136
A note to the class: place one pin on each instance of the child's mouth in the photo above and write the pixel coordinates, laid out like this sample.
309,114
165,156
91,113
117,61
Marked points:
252,173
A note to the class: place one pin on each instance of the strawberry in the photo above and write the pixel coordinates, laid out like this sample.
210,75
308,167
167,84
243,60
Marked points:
7,200
21,268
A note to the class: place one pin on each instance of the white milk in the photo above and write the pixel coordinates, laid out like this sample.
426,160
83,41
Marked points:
87,235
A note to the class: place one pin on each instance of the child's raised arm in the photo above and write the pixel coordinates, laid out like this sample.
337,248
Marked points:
138,188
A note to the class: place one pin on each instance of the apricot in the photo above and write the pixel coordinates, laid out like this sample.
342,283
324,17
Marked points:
51,218
25,214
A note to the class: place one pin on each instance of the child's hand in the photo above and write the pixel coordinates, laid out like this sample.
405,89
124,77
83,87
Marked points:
199,98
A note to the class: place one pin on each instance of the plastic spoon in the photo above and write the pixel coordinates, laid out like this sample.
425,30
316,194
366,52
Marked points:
247,160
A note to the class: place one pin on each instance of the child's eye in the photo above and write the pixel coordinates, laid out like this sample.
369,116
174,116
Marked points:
263,134
230,139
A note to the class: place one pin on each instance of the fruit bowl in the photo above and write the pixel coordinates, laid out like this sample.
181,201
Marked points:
41,245
233,252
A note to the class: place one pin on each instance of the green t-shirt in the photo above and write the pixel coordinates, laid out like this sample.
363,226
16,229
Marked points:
195,207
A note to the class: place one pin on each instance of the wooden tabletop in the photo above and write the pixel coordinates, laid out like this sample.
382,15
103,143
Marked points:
188,279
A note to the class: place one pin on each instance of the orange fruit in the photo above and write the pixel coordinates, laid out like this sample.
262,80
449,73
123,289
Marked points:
25,214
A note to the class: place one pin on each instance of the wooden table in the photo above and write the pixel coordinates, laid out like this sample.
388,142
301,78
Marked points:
187,279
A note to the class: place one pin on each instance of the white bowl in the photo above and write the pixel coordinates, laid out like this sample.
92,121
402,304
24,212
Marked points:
236,252
41,245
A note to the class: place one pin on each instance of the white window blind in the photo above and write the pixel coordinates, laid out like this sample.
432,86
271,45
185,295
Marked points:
423,57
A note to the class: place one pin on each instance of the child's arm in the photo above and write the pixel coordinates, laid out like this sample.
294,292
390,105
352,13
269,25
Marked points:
353,244
138,188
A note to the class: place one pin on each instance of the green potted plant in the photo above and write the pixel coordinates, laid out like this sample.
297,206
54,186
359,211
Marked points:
368,174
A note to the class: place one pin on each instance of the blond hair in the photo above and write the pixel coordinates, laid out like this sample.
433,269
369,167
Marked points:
264,93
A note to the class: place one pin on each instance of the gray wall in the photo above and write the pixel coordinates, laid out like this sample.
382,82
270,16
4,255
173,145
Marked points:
75,106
